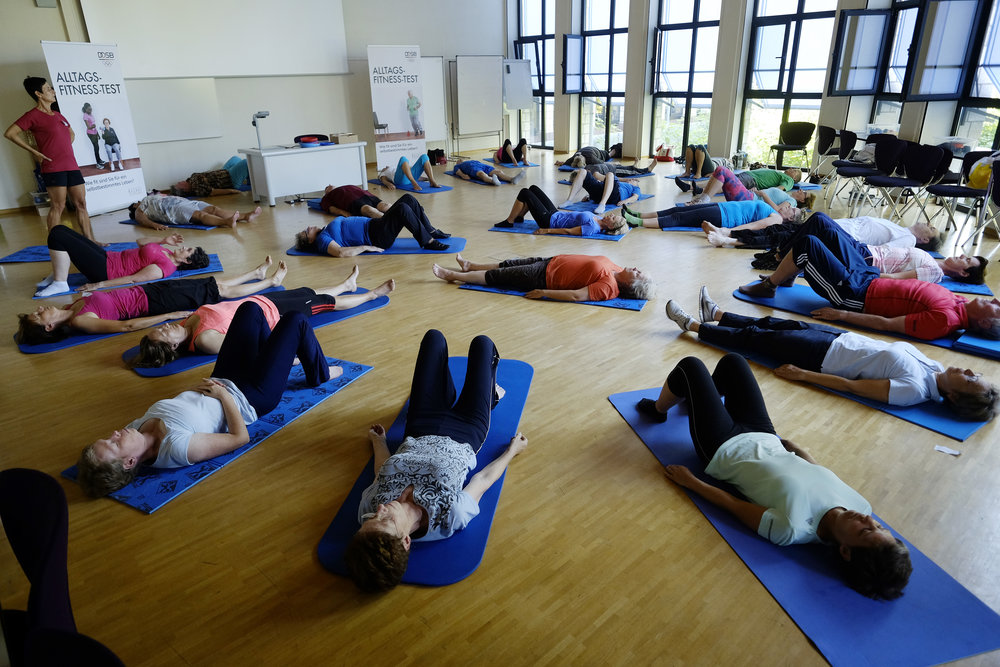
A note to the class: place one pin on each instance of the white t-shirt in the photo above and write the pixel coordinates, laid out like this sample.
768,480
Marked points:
893,259
911,375
877,231
795,492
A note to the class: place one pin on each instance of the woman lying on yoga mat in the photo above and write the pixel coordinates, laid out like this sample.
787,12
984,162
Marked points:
723,214
205,330
139,307
469,170
894,373
733,188
602,189
419,493
352,200
150,261
790,499
350,236
593,155
511,154
562,278
158,210
551,220
404,173
211,418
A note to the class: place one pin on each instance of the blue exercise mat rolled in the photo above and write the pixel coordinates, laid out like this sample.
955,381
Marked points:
807,186
155,487
937,619
401,246
967,288
189,225
617,302
40,253
589,206
76,280
441,562
529,227
425,188
194,360
984,347
511,165
473,180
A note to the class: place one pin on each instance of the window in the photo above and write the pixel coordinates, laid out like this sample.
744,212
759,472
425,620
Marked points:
790,43
605,46
858,56
536,43
943,48
687,38
979,109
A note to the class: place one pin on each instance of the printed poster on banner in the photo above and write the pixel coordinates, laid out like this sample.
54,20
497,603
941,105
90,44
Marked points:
90,91
396,102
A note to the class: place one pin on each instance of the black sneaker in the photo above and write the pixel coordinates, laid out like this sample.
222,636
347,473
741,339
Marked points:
435,245
695,189
504,224
438,234
765,263
683,185
647,407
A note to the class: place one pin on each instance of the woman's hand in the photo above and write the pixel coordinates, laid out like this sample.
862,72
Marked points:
517,444
41,157
376,432
540,230
374,248
681,476
535,294
173,239
89,287
790,372
213,388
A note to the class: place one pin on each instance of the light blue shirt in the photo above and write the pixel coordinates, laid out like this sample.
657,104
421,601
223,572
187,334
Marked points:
736,213
346,231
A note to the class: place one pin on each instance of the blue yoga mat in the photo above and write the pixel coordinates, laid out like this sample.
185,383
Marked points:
402,246
511,165
937,619
934,416
475,181
807,186
984,347
441,562
967,288
676,177
155,487
40,253
802,300
189,225
529,227
589,206
617,302
76,280
425,188
681,229
194,360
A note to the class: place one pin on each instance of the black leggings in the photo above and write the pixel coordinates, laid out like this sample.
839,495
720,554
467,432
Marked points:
167,296
539,204
433,409
689,216
90,258
778,340
712,421
97,149
301,300
524,274
769,237
518,150
406,213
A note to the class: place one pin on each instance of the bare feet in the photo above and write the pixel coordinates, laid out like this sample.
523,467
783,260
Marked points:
236,218
462,262
351,284
708,228
279,274
336,372
443,273
385,288
417,187
251,216
434,184
261,271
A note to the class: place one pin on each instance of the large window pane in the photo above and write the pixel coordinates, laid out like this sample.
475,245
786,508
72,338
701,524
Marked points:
906,22
802,110
592,121
820,6
531,122
701,114
616,120
987,81
887,114
815,39
711,10
550,17
549,47
777,7
761,121
978,126
770,45
531,17
597,14
860,52
596,54
668,122
548,139
704,61
676,11
941,55
619,62
621,14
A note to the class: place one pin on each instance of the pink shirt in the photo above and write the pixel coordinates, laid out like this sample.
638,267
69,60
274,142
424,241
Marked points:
52,134
119,304
892,259
127,262
931,311
218,316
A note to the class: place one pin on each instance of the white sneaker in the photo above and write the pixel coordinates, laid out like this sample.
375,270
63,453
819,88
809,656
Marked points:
112,166
707,307
681,318
57,287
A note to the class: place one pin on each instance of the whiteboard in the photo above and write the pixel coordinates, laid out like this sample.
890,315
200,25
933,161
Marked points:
199,38
517,84
162,109
432,104
480,94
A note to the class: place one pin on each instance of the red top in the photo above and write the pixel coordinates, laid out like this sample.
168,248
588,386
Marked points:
218,316
127,262
595,272
341,197
53,136
119,304
931,311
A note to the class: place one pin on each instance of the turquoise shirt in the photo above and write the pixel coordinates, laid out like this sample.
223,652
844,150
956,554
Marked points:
736,213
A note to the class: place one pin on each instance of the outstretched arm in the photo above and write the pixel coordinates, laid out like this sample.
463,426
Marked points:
334,250
485,478
572,231
145,221
145,274
94,325
748,513
874,389
900,275
895,324
582,294
380,450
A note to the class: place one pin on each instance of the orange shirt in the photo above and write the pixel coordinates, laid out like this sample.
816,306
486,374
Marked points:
595,272
218,316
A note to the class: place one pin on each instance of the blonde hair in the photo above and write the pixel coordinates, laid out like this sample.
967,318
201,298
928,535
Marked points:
795,173
619,229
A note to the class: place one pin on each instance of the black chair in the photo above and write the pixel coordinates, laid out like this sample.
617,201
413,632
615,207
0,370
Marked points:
826,138
917,167
848,140
951,193
380,126
887,155
792,136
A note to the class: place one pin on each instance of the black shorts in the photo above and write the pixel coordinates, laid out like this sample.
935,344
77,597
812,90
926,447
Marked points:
167,296
364,200
523,274
62,179
302,299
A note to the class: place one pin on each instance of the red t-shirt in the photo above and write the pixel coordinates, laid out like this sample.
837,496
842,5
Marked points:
52,133
119,304
127,262
341,197
931,311
595,272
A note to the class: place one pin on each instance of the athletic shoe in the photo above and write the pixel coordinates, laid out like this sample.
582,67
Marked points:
680,318
700,199
683,185
435,245
695,188
504,224
647,407
438,234
707,308
764,289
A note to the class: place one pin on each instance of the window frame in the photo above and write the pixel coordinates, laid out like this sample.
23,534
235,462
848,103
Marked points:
883,56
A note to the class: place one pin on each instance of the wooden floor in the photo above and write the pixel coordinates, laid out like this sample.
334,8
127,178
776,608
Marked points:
594,558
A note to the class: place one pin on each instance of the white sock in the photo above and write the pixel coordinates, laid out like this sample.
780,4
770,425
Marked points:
599,209
496,179
45,282
112,166
57,287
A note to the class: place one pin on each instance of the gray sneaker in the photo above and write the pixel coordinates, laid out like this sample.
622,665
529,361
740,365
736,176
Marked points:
707,308
680,318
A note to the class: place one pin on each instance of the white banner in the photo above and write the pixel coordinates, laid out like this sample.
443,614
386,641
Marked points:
90,91
396,102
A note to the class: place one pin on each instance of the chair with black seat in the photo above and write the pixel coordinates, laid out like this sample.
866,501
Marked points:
792,136
920,195
848,140
951,193
916,169
380,126
888,152
826,148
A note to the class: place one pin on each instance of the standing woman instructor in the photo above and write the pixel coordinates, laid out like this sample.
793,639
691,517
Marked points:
55,153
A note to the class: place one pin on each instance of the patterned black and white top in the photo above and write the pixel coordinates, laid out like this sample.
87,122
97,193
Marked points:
436,466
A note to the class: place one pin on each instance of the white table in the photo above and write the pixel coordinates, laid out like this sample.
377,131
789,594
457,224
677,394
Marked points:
278,171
